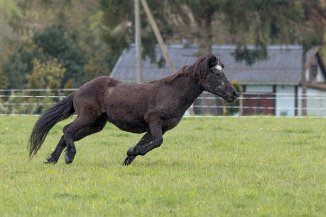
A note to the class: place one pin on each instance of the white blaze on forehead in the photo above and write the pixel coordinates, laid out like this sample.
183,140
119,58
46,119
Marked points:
218,67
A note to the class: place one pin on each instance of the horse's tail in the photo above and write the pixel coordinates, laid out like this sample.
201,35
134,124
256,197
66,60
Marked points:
58,112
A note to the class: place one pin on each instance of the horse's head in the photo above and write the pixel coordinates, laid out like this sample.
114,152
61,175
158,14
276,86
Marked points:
216,81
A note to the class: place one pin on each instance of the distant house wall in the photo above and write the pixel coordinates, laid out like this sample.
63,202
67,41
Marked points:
285,100
259,88
282,97
259,100
316,102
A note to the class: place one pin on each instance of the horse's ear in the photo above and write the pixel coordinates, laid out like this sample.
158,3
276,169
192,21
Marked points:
211,61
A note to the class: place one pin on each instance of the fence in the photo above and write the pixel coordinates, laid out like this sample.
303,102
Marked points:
30,101
36,101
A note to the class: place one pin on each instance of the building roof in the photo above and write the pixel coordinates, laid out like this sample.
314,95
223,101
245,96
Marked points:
282,66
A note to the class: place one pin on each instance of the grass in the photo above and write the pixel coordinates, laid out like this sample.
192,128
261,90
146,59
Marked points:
205,167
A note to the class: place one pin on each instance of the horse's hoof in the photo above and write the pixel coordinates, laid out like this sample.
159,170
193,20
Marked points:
131,151
128,160
68,159
50,161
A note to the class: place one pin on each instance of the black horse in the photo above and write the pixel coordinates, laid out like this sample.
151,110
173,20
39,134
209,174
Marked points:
152,108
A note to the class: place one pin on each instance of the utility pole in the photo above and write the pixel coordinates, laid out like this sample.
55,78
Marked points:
158,36
139,68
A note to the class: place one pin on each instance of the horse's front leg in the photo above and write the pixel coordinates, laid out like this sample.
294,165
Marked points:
144,140
150,140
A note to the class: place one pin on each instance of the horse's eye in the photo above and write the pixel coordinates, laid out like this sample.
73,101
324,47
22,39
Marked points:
218,74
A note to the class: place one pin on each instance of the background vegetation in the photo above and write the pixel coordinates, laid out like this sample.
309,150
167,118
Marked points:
82,39
206,167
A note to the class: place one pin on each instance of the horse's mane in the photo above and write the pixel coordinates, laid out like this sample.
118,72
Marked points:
197,70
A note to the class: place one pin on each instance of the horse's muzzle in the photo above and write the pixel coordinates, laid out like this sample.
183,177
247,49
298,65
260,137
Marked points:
233,97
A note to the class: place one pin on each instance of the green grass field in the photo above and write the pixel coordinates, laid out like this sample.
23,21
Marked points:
205,167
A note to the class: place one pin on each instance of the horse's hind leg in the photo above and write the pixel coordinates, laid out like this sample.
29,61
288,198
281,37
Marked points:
69,132
79,129
54,157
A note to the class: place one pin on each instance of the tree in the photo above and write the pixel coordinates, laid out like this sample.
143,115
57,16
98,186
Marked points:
51,43
8,12
56,42
118,33
89,42
19,65
204,15
48,29
46,75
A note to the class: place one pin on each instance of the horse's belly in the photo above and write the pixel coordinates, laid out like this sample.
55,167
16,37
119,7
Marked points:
129,126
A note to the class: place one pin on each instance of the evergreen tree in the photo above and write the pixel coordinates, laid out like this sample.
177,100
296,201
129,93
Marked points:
56,42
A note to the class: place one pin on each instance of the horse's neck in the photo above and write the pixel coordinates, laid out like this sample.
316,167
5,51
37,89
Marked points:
189,89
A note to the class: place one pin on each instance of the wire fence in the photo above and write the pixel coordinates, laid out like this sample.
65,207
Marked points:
36,101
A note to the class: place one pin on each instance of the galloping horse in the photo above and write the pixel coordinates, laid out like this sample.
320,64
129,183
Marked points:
152,108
